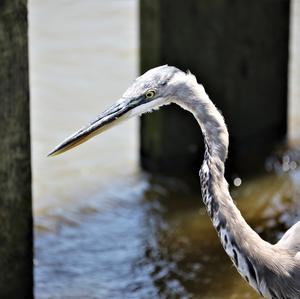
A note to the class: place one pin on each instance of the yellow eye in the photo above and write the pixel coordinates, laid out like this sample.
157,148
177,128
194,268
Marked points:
150,94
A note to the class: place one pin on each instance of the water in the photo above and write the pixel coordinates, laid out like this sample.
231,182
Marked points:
103,229
82,58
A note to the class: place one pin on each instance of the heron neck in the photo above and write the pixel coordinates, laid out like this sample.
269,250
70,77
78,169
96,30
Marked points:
214,186
241,243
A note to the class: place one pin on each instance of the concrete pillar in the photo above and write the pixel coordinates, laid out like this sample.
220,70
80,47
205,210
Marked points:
16,250
238,49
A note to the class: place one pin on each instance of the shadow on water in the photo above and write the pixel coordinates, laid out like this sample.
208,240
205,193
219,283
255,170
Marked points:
147,237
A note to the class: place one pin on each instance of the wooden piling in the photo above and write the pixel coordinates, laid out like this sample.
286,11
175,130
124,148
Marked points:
238,49
16,249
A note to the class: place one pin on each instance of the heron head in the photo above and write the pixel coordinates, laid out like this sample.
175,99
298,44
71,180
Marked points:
149,91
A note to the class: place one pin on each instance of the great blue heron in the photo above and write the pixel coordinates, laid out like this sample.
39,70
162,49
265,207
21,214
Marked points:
272,270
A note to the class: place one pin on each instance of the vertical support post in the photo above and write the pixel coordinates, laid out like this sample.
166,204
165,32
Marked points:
16,246
239,51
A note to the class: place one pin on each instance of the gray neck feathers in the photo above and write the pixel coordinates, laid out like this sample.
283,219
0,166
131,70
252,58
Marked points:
255,259
192,97
241,243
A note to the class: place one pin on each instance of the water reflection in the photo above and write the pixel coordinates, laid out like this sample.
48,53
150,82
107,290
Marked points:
149,238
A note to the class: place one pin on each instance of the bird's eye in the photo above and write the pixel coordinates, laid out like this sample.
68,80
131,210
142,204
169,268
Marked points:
150,94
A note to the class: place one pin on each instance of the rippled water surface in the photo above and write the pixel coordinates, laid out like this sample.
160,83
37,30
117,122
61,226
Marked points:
102,228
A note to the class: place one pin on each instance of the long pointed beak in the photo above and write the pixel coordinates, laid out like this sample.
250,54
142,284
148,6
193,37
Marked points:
104,121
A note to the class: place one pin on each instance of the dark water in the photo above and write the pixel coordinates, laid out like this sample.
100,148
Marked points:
148,238
102,229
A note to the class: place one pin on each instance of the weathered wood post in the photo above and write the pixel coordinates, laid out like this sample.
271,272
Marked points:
16,253
238,49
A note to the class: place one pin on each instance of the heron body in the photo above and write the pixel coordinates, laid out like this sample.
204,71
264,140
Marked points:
272,270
